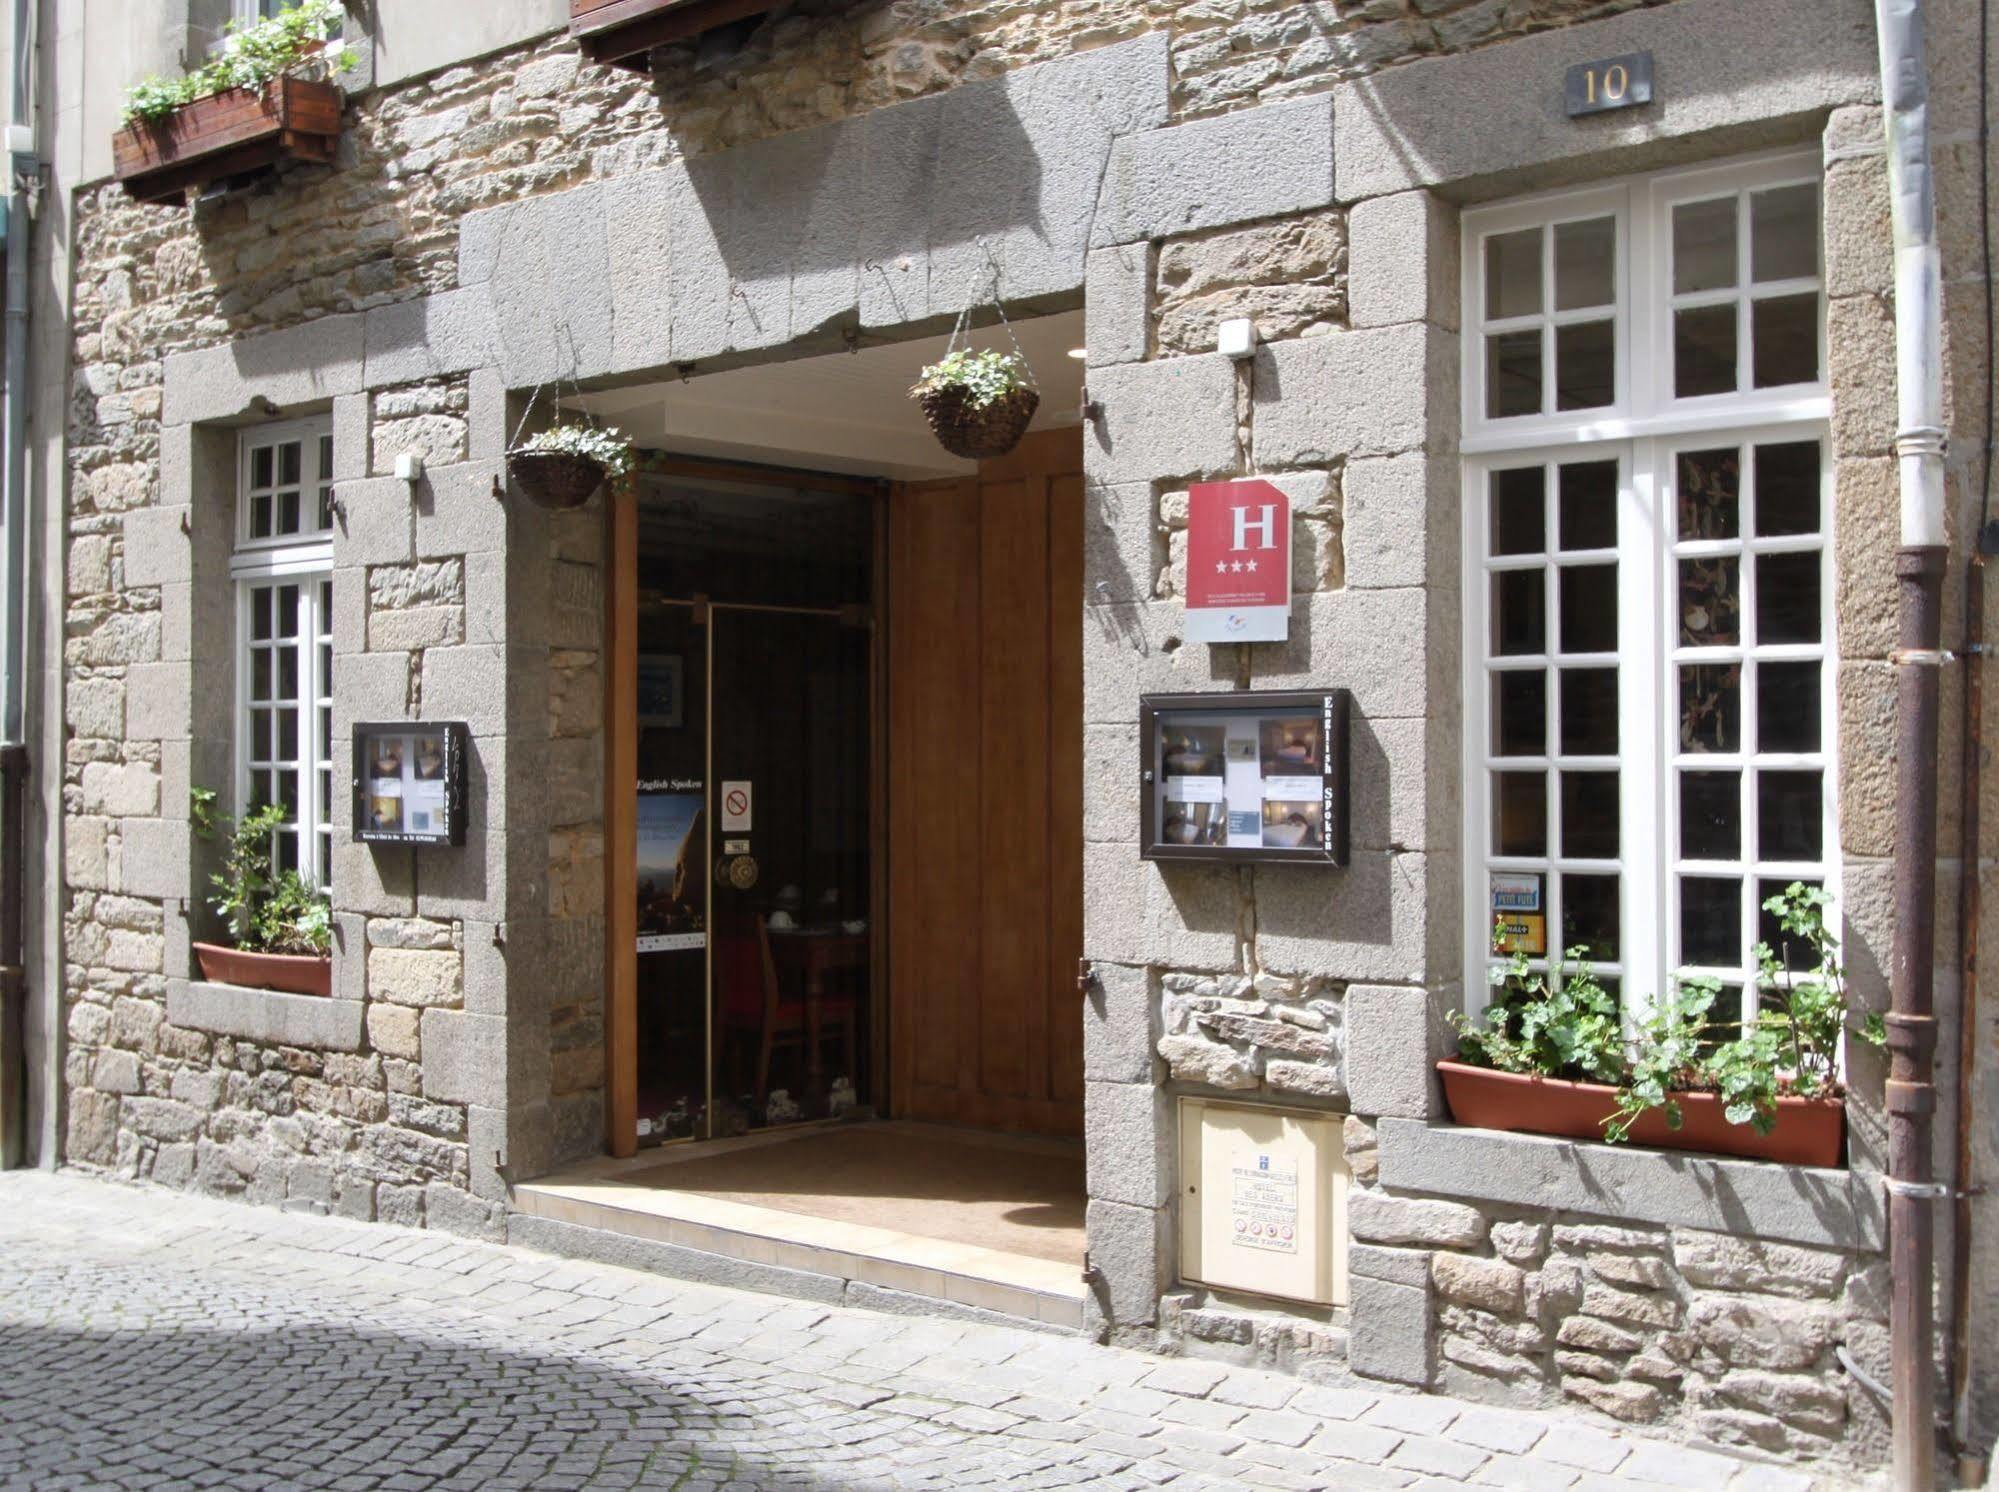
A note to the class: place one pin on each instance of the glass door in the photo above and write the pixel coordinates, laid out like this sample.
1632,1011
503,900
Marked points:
755,926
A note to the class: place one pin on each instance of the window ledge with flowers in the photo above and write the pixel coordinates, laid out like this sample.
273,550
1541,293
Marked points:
267,96
623,33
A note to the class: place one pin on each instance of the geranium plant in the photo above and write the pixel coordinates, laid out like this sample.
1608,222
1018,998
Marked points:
985,377
253,54
267,910
606,445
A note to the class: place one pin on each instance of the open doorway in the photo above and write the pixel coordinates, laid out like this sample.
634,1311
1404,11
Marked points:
845,829
855,708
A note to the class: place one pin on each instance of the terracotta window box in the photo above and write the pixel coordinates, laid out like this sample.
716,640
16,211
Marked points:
286,972
1809,1131
621,33
228,134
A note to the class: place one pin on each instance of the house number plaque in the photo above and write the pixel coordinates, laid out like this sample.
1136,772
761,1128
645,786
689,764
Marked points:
1611,83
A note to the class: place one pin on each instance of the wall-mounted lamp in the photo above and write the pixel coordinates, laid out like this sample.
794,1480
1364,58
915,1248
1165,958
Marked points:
409,467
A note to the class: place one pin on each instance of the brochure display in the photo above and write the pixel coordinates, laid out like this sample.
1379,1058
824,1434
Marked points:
409,783
1252,776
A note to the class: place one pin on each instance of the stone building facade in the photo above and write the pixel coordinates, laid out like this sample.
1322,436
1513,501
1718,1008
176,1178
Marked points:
519,217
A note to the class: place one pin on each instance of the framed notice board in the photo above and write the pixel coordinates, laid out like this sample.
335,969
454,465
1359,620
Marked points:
409,782
1258,776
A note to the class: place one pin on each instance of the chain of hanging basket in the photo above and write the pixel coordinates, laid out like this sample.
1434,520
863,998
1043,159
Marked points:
966,428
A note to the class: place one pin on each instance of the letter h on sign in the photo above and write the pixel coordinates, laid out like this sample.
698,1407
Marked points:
1238,562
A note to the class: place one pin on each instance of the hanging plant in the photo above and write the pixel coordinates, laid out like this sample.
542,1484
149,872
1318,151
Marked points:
561,466
978,403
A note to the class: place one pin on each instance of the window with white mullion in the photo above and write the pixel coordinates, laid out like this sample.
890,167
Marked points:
1750,617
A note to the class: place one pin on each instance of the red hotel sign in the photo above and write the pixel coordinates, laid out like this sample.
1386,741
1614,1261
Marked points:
1238,562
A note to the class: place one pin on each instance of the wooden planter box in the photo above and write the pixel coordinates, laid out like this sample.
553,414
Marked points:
228,134
620,33
1809,1132
288,973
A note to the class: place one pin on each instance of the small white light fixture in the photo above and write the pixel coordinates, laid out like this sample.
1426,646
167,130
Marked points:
1079,353
409,467
1236,339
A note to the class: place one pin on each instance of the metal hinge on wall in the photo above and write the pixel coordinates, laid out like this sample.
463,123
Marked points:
1086,977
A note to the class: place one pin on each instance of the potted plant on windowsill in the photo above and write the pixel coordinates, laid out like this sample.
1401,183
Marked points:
266,96
978,404
561,466
1551,1056
282,928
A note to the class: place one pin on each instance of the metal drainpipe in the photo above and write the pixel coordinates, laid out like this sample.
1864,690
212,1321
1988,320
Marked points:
1919,567
14,763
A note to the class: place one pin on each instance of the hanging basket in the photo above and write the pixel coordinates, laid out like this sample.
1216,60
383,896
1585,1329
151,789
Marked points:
555,479
978,434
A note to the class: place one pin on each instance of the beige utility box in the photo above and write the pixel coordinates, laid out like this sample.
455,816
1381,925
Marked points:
1263,1203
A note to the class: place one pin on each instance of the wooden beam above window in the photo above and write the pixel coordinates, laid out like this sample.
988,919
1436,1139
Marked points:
622,33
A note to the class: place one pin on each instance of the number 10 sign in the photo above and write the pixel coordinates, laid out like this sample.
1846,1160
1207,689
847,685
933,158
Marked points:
1238,562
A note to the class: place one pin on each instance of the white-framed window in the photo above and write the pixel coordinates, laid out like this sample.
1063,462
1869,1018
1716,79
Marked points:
283,574
255,10
1649,712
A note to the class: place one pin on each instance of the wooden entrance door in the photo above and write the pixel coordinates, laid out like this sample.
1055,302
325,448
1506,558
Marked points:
985,792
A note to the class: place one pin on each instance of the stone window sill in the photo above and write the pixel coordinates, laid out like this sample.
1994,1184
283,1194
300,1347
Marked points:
269,1017
1755,1199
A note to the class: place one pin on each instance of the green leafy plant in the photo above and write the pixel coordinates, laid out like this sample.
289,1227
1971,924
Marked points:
984,376
1570,1027
253,55
608,446
267,910
1567,1026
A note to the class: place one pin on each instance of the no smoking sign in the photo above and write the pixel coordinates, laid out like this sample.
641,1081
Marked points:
738,807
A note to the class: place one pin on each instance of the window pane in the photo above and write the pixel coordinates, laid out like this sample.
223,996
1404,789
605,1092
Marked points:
1703,246
287,607
1589,815
1588,502
1786,333
1585,366
1589,608
1787,598
1784,234
287,512
1710,602
1589,711
1520,813
260,614
288,735
1585,261
1519,511
260,735
1590,916
1790,822
1520,712
260,518
1513,274
1704,351
287,852
288,673
260,673
288,464
1711,815
1787,488
1710,484
1787,706
325,508
325,472
1519,612
1795,954
260,789
260,467
1710,920
1513,375
287,783
1710,707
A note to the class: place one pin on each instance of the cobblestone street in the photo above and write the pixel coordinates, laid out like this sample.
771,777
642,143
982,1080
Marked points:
152,1340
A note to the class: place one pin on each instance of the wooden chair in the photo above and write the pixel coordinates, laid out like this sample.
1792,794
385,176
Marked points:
800,1021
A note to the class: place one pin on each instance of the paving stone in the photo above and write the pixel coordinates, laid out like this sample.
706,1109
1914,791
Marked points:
155,1339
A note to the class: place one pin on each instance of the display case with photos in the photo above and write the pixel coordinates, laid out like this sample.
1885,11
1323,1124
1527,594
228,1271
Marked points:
409,782
1253,776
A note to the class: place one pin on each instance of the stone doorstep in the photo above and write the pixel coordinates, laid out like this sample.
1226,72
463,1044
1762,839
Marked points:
731,1243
